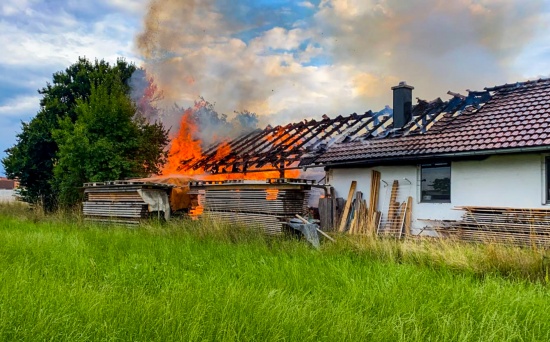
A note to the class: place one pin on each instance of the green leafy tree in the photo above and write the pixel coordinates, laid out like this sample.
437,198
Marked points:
45,154
106,142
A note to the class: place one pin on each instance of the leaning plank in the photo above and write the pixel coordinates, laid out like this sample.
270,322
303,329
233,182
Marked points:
357,213
408,216
393,205
400,219
344,217
374,192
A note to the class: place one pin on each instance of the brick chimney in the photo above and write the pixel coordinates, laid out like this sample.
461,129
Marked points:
402,104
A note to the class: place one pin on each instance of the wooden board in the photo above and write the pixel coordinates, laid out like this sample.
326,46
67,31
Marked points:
325,213
408,216
344,218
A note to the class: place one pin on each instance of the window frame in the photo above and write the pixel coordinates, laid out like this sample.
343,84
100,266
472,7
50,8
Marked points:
421,168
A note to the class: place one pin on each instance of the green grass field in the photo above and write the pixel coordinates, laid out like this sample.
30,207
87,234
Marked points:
61,279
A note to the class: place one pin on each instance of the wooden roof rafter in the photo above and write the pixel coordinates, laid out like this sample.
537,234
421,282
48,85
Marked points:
280,146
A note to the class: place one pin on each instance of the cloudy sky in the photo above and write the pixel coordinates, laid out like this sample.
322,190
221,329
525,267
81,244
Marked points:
286,60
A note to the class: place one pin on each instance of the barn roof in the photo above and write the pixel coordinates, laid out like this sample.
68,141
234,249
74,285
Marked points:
502,119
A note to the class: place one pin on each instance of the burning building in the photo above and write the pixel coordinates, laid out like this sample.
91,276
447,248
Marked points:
270,160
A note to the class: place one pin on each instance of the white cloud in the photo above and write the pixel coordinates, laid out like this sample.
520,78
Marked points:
58,44
306,4
40,38
20,106
279,38
14,7
131,6
194,48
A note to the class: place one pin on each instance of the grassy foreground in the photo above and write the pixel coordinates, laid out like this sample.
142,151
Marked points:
61,279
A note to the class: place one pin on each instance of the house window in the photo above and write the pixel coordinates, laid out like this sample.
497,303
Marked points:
547,178
435,183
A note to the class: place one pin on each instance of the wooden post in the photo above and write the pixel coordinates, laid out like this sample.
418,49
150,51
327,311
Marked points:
357,213
408,216
344,218
373,202
340,204
325,212
334,204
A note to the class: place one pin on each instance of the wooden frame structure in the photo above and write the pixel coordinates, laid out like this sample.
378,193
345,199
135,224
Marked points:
299,144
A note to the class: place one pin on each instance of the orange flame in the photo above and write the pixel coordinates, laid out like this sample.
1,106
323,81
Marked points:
186,148
223,150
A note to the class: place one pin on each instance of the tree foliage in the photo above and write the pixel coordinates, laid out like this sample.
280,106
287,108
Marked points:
86,130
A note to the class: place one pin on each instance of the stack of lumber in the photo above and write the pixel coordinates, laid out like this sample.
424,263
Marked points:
330,209
398,218
264,205
358,217
117,201
518,226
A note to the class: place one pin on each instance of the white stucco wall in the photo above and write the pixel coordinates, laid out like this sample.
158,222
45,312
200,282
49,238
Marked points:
7,195
503,180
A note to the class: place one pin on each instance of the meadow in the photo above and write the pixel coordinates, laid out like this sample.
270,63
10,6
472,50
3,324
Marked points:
63,279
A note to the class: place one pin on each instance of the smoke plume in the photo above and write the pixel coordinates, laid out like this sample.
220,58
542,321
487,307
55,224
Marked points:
337,57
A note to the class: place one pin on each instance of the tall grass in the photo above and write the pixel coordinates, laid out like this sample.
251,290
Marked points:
508,261
64,279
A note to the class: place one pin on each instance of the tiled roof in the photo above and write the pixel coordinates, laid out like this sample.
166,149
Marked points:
499,119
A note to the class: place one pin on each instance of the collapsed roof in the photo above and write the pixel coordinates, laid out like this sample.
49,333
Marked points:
496,120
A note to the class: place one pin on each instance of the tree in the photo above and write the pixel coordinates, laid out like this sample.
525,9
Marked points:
76,136
106,142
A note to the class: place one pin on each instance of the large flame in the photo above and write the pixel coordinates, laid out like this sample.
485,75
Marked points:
186,148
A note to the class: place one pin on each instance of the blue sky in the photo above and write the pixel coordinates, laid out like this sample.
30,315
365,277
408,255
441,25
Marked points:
286,60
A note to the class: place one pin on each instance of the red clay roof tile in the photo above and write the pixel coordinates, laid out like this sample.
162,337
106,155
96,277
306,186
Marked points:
516,115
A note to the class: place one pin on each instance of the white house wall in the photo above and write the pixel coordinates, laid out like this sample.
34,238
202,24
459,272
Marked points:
7,195
502,180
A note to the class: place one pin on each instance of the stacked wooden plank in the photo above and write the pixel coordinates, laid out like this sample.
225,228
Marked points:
117,201
358,217
330,211
398,219
267,205
518,226
359,222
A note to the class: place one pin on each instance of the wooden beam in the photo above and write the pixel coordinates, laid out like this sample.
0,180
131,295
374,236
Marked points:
344,217
408,216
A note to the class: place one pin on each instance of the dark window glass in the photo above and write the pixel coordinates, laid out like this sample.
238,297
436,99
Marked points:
436,183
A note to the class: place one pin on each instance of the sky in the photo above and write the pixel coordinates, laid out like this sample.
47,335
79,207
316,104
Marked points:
284,60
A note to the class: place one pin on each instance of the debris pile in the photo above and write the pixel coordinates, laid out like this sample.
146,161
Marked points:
356,216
